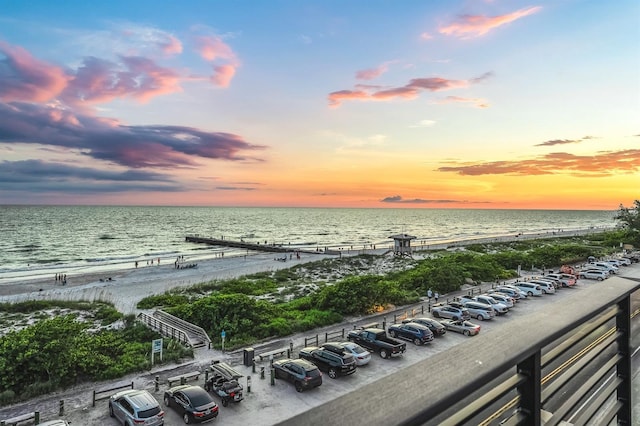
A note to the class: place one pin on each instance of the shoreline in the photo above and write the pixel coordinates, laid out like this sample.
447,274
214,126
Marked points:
127,287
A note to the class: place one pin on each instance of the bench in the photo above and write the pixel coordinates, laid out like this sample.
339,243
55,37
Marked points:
273,353
23,418
184,377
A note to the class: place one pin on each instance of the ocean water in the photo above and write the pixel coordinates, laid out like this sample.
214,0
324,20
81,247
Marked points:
38,240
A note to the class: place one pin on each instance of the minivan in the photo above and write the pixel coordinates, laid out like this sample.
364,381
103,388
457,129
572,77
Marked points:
529,288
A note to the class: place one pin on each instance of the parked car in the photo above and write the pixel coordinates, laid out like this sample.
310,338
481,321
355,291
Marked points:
459,326
529,288
303,374
480,311
360,354
515,294
594,274
417,333
193,403
546,286
523,294
335,364
436,328
622,261
606,266
497,306
376,340
134,406
566,280
224,383
508,301
451,312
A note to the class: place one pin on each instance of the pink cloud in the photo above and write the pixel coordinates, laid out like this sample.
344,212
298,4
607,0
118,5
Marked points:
468,26
480,103
211,48
98,80
22,77
409,91
372,73
171,46
223,74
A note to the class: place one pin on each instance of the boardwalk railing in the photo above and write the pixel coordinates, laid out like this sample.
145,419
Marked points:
164,328
564,363
197,336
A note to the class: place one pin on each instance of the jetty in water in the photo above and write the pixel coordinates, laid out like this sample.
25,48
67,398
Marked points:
241,244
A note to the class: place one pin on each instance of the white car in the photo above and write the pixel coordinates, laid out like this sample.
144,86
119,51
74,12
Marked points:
497,305
546,286
508,301
594,274
512,291
361,355
612,269
567,280
529,288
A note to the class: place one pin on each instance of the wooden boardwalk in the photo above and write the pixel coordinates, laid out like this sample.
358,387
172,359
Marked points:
240,244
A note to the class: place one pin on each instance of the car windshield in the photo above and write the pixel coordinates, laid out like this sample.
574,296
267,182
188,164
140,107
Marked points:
145,414
357,349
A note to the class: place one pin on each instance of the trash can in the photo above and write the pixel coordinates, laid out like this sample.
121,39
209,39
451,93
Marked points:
248,355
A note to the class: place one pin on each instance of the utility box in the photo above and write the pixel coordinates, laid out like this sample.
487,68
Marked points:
248,355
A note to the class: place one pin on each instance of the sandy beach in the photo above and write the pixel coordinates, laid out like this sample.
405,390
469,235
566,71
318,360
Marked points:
126,288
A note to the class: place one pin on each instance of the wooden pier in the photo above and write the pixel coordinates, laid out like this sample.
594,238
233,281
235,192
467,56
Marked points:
239,244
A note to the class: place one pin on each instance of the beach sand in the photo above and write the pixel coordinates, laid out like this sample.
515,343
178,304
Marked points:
127,287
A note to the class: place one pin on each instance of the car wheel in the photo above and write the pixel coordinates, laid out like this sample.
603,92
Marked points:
436,314
455,318
530,293
394,334
466,332
111,410
167,401
298,387
332,373
417,342
480,317
384,354
186,418
600,278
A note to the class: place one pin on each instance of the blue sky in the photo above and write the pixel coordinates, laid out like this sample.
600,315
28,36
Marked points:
478,104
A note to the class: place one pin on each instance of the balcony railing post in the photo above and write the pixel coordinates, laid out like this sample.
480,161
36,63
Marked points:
623,324
530,390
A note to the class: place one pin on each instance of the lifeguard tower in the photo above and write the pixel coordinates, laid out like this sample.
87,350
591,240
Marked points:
402,244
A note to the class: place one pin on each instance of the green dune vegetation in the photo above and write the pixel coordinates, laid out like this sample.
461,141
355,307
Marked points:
52,345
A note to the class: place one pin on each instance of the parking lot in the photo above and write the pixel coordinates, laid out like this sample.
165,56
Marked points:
268,404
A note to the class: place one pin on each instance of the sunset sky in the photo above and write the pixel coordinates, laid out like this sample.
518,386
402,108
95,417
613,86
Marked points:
324,103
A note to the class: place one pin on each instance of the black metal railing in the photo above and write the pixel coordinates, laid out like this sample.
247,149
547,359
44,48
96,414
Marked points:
568,362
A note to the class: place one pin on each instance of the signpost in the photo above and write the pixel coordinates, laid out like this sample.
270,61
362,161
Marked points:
156,347
223,335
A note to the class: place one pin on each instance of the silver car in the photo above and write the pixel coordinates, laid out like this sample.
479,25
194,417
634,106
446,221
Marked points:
136,407
478,310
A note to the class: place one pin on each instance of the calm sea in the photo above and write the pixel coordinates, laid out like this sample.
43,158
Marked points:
38,240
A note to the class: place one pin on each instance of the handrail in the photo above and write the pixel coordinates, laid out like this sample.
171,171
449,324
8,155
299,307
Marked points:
448,379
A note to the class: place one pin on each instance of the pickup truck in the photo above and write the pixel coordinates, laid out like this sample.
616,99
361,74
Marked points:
376,340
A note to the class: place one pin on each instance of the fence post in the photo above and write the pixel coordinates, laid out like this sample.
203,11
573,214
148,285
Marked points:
384,323
253,365
182,380
248,384
273,376
61,410
422,309
36,417
93,399
157,383
262,372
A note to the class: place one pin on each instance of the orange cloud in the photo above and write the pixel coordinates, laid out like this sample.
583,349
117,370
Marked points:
372,73
223,75
211,48
24,78
467,26
479,103
599,165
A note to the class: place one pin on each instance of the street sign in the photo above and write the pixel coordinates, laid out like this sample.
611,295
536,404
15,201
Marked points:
223,334
156,347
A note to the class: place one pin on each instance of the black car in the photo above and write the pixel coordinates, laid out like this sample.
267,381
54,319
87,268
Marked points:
436,328
416,333
335,364
193,402
303,374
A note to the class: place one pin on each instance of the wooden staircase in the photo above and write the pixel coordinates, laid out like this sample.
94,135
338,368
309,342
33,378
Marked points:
176,328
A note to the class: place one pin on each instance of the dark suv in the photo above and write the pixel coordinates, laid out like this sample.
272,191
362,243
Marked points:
335,364
302,373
